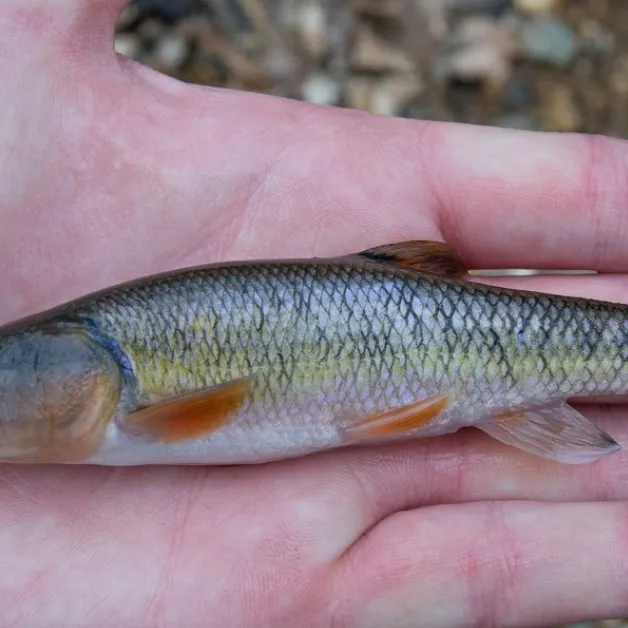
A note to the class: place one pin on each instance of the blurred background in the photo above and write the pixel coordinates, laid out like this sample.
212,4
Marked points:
552,65
556,65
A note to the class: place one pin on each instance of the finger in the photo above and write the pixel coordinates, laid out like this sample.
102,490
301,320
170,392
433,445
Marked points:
345,493
502,198
353,182
488,564
602,287
333,498
323,181
531,200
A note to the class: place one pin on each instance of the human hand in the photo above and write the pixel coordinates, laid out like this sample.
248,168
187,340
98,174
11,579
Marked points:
110,172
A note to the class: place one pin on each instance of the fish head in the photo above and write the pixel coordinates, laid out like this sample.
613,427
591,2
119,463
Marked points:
59,389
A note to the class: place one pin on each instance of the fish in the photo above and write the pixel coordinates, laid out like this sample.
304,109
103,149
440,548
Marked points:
256,361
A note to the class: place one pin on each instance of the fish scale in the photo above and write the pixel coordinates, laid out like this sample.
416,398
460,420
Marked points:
387,344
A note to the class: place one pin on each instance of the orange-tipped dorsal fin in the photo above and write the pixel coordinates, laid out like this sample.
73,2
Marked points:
192,415
437,258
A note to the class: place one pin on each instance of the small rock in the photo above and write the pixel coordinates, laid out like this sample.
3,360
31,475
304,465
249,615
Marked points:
436,14
128,17
209,68
278,65
389,95
619,76
596,40
474,63
492,7
127,44
359,92
584,68
518,92
519,121
535,6
379,8
312,26
150,30
384,97
548,40
419,108
373,54
169,9
480,48
171,51
559,110
320,89
482,30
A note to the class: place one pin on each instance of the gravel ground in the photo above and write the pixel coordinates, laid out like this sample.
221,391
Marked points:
555,65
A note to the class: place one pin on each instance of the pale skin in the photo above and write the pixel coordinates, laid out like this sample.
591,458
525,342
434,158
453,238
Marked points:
109,171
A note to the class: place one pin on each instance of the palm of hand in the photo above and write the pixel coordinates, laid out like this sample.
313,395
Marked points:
111,172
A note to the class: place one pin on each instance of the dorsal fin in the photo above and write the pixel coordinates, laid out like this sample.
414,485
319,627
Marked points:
437,258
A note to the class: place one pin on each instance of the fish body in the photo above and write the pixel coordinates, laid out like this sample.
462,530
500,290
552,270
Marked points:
252,362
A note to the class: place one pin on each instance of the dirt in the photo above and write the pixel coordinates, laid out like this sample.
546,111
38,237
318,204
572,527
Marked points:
460,60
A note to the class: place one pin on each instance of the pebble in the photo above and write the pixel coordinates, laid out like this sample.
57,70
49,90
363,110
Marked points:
535,6
128,17
150,30
127,44
482,30
312,26
596,40
170,9
518,92
560,112
379,8
476,62
373,54
391,94
387,97
619,77
480,48
548,40
171,51
492,7
320,89
419,108
519,121
359,90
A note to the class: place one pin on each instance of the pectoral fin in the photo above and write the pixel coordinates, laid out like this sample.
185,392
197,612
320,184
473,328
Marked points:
437,258
555,431
396,422
190,416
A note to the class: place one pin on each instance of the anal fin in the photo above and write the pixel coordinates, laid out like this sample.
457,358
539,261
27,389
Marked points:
396,422
554,431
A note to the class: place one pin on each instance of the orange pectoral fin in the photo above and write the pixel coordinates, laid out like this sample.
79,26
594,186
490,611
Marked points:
398,421
190,416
